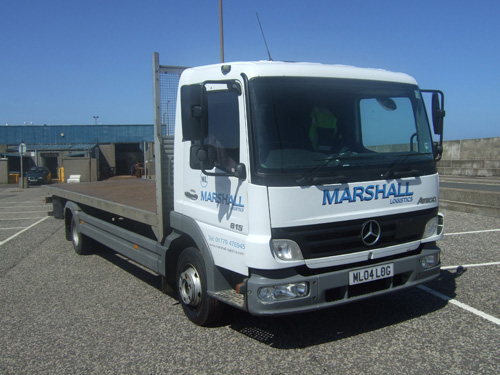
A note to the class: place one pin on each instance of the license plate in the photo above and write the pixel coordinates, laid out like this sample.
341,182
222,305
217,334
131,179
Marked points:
365,275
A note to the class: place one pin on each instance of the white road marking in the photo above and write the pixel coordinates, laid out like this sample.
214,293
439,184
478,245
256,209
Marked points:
461,305
472,232
12,228
21,202
23,212
33,205
23,218
22,231
471,265
458,303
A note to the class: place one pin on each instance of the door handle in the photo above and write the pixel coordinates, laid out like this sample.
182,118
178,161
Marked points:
191,195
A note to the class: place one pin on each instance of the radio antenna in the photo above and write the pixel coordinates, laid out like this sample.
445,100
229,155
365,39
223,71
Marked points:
263,36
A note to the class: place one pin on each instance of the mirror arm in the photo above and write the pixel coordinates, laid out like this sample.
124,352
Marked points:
216,174
438,147
240,172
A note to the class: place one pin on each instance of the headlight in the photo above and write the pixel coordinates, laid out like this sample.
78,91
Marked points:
429,261
434,227
287,250
430,228
283,292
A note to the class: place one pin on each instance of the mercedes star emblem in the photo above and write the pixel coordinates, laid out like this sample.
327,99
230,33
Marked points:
370,232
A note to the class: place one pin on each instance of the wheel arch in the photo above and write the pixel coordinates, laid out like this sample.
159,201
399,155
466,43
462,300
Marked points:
187,233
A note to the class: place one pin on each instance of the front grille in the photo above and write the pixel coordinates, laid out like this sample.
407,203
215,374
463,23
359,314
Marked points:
340,238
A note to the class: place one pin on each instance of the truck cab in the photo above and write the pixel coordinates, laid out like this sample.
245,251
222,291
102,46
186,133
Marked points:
308,185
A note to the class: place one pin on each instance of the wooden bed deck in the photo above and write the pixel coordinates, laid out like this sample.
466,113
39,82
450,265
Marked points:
129,197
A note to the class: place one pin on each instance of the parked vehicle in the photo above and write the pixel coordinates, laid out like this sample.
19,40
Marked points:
287,187
39,175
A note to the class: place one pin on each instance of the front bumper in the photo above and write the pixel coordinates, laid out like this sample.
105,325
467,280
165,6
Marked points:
332,288
36,180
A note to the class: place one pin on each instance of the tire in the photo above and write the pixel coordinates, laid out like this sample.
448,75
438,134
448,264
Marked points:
198,306
81,243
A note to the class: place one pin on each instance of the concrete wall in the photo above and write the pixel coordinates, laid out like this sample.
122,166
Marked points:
4,171
472,149
108,153
75,165
471,157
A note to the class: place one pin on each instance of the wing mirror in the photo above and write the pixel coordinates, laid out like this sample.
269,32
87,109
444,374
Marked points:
202,157
438,112
194,112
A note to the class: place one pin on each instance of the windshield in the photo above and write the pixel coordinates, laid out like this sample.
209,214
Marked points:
37,169
329,127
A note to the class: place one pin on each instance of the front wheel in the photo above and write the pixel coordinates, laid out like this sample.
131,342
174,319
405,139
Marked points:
81,243
198,306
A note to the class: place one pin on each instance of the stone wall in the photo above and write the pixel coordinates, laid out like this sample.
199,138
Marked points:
471,157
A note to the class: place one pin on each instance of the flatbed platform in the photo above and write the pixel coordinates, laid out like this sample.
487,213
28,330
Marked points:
128,197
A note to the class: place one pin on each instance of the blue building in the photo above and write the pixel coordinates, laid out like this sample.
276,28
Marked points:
112,149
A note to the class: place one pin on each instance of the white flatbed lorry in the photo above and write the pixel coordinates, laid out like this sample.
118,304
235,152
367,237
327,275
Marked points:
286,187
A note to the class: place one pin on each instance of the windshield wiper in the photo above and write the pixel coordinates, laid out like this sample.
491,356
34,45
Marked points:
309,177
393,172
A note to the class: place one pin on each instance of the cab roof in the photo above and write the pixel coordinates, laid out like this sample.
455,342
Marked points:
233,70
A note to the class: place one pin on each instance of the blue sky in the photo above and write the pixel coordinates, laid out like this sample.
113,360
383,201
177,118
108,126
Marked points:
64,61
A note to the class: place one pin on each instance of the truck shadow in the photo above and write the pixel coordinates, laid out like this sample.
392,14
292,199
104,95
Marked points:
149,277
332,324
341,322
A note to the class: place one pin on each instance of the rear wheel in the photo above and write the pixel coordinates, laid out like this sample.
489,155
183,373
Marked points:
81,243
198,306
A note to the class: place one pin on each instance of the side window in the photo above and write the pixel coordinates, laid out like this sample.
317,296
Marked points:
223,128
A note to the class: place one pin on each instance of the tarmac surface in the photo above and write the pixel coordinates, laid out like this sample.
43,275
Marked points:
61,313
477,183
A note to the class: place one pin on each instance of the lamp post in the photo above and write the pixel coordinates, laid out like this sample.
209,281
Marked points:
95,119
22,151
